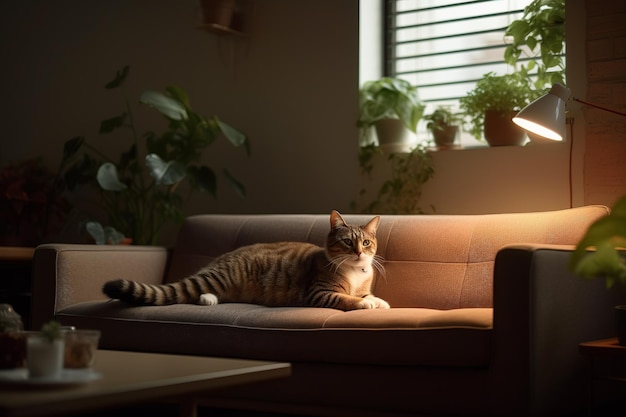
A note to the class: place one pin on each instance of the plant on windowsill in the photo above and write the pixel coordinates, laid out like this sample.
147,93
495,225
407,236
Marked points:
141,193
393,108
491,105
608,236
444,125
540,31
402,191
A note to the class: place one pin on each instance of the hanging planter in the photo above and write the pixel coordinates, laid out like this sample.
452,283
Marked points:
221,16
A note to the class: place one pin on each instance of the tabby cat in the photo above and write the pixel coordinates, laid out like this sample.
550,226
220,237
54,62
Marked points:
278,274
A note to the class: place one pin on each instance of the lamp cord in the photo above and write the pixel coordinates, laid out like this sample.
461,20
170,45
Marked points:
571,148
598,107
571,145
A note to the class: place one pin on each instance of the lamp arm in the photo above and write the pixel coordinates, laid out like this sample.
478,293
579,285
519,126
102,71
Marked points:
598,107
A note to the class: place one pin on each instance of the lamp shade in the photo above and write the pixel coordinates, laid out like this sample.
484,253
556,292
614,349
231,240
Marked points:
546,115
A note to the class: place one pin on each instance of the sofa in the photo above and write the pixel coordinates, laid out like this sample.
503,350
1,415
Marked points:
485,315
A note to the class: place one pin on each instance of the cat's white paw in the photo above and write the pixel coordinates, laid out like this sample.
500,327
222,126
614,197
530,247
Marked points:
373,302
208,299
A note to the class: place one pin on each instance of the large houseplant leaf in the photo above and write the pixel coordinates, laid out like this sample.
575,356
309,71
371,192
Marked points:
104,235
235,183
108,125
233,135
169,107
120,76
165,173
107,178
203,178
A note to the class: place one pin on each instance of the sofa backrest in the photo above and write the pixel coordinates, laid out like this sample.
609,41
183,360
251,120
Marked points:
431,261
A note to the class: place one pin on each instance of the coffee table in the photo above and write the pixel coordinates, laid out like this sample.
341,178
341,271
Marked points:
127,378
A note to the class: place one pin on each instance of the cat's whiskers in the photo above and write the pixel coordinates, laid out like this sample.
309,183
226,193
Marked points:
377,262
338,261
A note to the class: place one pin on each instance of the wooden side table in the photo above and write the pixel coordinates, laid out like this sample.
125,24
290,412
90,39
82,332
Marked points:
16,279
607,362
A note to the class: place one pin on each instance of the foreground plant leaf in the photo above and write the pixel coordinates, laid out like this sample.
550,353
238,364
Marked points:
598,254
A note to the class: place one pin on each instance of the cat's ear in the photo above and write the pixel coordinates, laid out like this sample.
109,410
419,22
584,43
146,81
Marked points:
372,226
336,221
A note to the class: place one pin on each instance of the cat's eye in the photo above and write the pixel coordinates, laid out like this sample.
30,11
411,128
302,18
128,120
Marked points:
347,242
366,242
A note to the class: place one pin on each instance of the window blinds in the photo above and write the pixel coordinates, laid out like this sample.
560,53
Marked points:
444,47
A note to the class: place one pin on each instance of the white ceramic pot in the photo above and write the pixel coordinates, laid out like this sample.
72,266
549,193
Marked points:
44,358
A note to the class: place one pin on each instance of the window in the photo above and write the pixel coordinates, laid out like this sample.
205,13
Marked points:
444,46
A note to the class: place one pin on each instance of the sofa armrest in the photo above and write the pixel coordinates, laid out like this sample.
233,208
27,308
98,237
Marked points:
65,274
542,311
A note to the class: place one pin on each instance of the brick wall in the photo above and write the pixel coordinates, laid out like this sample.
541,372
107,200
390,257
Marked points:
605,144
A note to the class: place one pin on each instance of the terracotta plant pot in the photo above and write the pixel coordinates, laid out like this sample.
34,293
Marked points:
445,136
499,129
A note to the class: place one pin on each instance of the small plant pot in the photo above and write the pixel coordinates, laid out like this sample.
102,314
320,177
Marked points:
80,348
445,136
499,129
44,357
620,324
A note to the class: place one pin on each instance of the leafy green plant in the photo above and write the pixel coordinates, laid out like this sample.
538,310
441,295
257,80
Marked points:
441,117
502,93
141,193
51,330
607,235
392,98
542,26
401,193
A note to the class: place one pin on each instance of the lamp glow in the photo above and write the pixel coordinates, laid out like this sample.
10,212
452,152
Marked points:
545,116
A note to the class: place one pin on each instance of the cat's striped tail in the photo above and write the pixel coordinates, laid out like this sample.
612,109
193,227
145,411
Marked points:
138,293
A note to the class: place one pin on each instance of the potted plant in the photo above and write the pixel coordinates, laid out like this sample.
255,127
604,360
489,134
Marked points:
393,107
12,340
542,26
45,351
491,105
608,236
141,192
33,208
444,126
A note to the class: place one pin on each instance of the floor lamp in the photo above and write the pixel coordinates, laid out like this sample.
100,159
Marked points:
545,117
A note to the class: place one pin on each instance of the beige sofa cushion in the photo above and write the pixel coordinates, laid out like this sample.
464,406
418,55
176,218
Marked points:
417,336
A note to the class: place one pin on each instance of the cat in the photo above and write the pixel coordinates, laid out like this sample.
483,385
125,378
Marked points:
294,274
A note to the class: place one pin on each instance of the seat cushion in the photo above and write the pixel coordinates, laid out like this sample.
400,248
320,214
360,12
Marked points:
417,336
